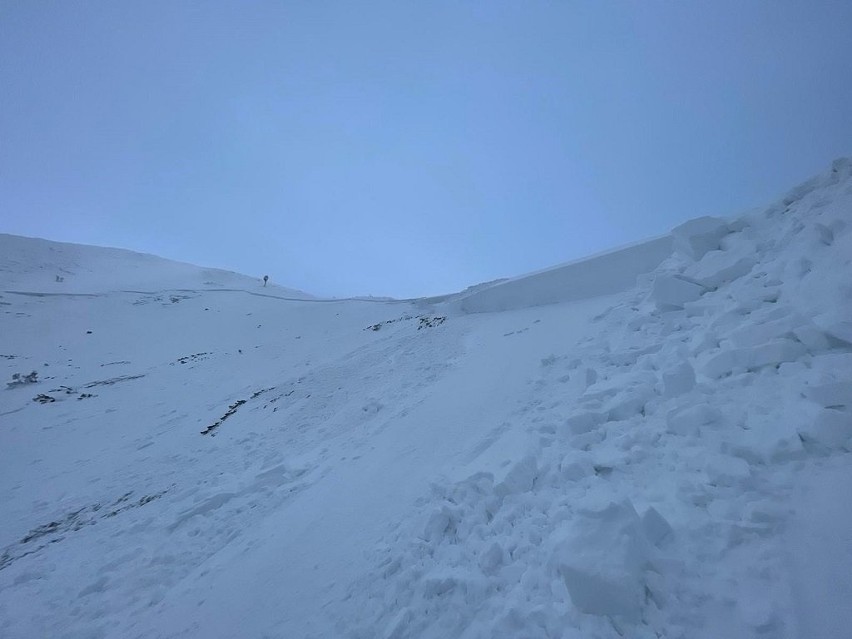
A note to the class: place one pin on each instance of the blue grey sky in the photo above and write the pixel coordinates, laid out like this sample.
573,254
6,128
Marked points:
408,148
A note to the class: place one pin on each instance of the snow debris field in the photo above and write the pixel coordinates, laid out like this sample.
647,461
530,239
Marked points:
654,442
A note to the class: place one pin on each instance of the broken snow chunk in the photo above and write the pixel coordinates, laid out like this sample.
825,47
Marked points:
657,530
814,339
831,395
372,407
591,376
837,363
799,192
671,292
840,331
658,592
697,237
726,363
631,356
755,334
441,582
574,467
520,478
830,430
768,444
703,342
776,352
823,234
688,420
837,226
436,526
579,380
679,380
755,606
583,422
602,561
765,515
720,267
787,448
587,440
491,559
724,470
440,523
628,404
842,166
739,360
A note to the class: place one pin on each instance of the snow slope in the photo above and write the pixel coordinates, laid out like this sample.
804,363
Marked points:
541,457
40,266
610,272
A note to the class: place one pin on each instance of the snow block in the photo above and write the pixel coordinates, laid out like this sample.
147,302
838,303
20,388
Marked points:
631,356
696,237
838,363
671,292
688,420
755,334
720,267
776,352
627,404
814,339
602,562
583,422
573,468
831,395
725,363
823,234
744,359
679,380
440,523
657,530
724,470
755,604
441,582
841,331
764,444
587,440
766,515
591,376
519,479
491,560
831,430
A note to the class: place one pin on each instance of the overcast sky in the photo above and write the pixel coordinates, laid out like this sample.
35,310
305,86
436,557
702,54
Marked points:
408,148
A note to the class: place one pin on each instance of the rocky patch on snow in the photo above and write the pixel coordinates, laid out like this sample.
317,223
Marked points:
55,531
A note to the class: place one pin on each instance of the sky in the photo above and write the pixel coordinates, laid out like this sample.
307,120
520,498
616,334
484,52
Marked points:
408,148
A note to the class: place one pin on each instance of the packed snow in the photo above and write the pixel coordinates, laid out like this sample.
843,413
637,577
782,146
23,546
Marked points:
654,442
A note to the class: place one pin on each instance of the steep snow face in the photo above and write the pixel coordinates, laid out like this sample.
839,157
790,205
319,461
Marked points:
669,460
605,274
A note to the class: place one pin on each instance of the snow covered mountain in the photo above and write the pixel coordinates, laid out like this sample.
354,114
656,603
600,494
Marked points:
579,452
39,266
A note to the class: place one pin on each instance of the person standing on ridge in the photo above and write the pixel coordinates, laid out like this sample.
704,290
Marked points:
265,279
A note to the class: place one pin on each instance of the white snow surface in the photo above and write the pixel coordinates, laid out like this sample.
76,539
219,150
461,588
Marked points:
664,456
610,272
38,266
